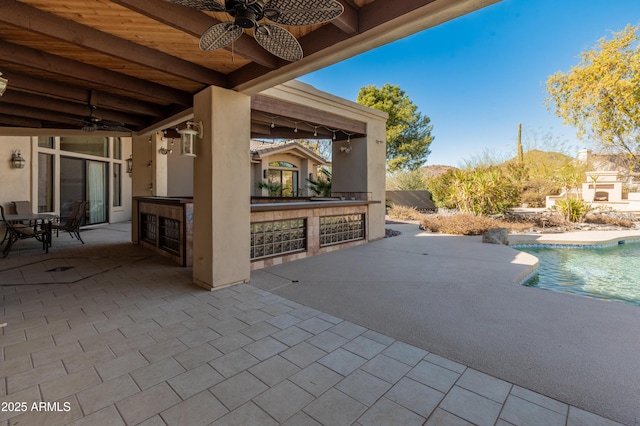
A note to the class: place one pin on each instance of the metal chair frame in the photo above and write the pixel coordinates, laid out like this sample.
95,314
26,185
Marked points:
18,231
72,223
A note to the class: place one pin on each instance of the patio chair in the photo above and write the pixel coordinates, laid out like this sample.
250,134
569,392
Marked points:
22,207
18,231
72,223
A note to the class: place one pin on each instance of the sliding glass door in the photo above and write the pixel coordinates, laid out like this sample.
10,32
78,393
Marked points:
84,180
97,191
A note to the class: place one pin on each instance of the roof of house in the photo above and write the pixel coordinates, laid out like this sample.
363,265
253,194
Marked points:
261,149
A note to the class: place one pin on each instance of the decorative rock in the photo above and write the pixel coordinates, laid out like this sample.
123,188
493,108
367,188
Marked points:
496,236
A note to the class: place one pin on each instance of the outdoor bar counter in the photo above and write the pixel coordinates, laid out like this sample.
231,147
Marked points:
282,229
165,225
291,230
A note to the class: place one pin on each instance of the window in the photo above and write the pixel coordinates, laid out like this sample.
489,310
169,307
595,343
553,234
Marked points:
46,142
117,148
97,146
117,185
45,183
282,164
284,174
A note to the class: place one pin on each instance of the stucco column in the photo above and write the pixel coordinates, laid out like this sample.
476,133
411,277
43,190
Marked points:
362,170
159,165
141,178
221,233
264,171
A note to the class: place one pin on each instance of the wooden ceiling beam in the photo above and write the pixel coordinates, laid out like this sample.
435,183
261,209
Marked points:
37,114
348,22
90,74
25,83
12,120
295,112
382,11
71,108
262,123
285,133
29,18
326,39
195,23
369,17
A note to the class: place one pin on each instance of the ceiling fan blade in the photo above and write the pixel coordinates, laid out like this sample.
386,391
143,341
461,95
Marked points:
220,35
302,12
208,5
90,127
278,41
115,128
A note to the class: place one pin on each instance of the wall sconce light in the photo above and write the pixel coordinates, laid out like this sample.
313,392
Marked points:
163,150
129,165
3,84
265,173
187,138
16,160
347,149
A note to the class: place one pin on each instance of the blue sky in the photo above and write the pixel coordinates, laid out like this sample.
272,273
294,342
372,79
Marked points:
480,75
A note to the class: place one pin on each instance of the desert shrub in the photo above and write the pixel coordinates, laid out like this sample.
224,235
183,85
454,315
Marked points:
605,219
482,191
538,220
467,224
572,209
404,213
535,191
440,189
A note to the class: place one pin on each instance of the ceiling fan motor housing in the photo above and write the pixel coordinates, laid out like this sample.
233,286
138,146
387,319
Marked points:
246,13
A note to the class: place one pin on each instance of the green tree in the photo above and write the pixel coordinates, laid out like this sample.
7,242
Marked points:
414,180
408,131
322,147
601,97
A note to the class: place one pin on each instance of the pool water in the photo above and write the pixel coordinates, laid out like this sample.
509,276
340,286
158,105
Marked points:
610,272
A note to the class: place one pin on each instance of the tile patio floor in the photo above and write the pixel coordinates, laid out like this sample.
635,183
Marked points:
117,335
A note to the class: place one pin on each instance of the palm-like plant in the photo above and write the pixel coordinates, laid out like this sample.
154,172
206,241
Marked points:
274,188
483,191
322,186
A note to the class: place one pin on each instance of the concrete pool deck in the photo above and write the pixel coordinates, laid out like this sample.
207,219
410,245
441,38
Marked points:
456,297
575,238
414,329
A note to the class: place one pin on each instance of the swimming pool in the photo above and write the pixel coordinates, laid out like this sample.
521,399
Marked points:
605,272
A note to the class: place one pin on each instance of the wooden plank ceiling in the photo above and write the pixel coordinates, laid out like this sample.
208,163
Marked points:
138,61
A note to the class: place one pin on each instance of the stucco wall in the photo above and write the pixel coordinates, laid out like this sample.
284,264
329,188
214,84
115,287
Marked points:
180,174
15,184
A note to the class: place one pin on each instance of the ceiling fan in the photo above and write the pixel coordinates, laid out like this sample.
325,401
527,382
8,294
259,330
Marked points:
93,123
246,14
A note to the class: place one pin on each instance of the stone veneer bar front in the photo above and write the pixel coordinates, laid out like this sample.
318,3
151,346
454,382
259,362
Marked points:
281,231
312,212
